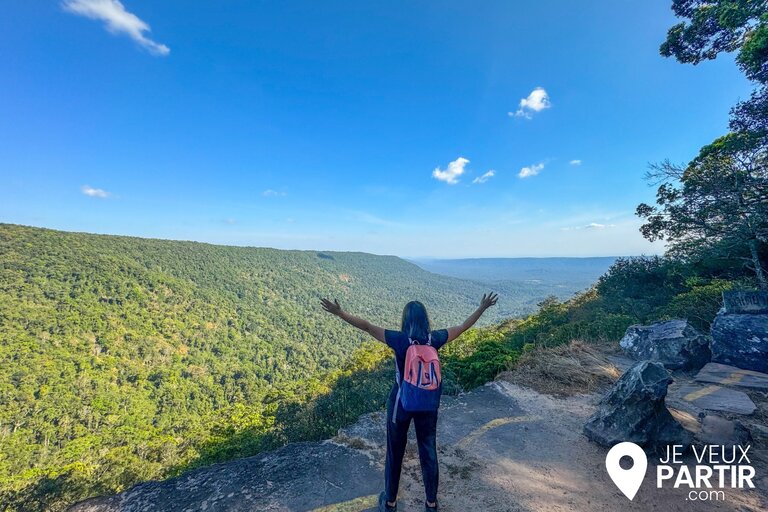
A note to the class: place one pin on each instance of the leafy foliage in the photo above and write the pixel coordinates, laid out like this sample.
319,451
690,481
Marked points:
720,199
126,359
634,290
713,27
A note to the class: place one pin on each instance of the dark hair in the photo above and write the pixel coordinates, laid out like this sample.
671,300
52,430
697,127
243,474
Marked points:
415,321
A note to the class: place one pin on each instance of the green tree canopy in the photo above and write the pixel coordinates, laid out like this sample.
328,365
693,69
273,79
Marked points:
719,199
719,26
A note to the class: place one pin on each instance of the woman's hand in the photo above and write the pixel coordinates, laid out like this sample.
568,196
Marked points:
489,300
333,308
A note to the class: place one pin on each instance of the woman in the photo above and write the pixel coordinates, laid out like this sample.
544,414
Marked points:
414,326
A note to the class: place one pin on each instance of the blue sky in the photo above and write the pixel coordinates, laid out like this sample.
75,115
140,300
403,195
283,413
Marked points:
362,126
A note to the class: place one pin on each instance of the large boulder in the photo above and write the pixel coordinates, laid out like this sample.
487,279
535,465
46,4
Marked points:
675,343
634,411
740,331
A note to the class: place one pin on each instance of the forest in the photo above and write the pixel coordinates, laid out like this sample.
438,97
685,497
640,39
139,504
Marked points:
125,358
129,359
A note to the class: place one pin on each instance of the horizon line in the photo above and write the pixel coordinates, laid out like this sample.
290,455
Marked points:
404,257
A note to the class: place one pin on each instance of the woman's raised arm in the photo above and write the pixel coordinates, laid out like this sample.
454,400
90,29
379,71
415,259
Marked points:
334,308
487,301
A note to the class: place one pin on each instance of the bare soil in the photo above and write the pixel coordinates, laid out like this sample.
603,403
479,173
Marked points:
538,460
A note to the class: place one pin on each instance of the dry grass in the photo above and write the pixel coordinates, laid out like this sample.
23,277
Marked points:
564,370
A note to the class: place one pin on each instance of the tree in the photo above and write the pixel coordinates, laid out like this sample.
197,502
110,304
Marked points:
752,115
716,26
719,199
727,26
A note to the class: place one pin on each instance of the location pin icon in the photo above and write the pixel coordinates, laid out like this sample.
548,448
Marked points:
627,480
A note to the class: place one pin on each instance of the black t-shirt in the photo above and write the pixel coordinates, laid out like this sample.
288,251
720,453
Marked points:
398,341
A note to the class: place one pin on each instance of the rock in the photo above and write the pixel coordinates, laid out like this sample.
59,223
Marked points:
726,375
674,343
714,398
718,430
710,428
745,302
634,411
369,432
342,474
623,363
740,338
299,476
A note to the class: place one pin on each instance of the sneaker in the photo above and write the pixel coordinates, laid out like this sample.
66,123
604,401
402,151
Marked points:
383,507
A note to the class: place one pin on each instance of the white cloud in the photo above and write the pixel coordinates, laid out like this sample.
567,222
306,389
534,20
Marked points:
485,177
575,162
533,170
117,20
452,173
94,192
272,193
537,101
591,225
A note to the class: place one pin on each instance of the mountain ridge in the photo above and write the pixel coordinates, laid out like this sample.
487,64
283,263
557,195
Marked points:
572,273
136,358
130,358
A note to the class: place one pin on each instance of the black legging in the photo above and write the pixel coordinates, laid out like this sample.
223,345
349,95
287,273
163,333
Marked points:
397,438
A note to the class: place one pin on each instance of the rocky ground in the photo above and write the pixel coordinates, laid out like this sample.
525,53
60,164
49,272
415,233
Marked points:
502,447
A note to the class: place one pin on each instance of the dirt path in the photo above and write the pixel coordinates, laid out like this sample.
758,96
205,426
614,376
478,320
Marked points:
510,448
540,461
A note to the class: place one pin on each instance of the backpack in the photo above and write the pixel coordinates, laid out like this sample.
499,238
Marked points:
422,384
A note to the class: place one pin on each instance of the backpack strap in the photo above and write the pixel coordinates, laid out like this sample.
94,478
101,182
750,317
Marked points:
397,397
429,340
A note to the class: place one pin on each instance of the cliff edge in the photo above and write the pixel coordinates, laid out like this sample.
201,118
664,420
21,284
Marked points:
502,447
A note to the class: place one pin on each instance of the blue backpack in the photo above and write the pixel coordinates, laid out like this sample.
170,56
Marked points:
422,384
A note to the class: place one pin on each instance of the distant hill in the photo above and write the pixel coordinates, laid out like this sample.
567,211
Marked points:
123,358
559,276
